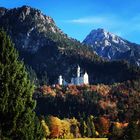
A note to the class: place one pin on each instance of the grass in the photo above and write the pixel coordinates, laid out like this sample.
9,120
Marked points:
83,139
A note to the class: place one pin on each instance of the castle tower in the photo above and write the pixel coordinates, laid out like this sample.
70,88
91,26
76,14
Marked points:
77,79
85,78
78,71
60,80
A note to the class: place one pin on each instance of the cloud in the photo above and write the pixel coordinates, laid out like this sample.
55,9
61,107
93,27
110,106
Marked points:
120,25
87,20
106,19
110,22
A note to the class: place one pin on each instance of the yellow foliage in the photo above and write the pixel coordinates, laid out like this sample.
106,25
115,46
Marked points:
45,128
47,90
66,129
56,127
97,133
120,125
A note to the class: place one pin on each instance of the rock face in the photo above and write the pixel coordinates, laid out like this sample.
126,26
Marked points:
2,11
45,48
27,27
113,47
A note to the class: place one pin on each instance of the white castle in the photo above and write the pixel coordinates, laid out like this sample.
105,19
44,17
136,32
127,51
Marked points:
78,80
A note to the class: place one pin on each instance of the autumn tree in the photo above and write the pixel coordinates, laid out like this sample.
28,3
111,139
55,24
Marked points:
17,118
116,129
66,129
103,126
45,128
74,127
132,132
55,126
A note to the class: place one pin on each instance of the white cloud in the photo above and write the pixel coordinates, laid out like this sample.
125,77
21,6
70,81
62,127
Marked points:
111,22
122,26
87,20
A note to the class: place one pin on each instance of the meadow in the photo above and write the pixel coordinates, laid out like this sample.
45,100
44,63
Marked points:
83,139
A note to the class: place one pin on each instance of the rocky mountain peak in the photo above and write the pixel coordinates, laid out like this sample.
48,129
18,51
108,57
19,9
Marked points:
29,14
102,37
28,26
111,46
26,10
2,11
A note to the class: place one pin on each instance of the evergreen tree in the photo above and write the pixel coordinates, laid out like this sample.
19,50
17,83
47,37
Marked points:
32,76
44,79
91,132
17,117
83,128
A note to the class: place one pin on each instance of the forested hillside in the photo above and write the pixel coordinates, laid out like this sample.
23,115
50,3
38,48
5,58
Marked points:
48,52
109,108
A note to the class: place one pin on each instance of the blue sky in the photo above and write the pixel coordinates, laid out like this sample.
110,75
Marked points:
78,17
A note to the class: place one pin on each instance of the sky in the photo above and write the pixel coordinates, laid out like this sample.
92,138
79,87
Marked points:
78,17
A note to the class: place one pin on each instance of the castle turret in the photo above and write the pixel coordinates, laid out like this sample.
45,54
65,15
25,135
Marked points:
80,79
85,78
78,71
60,80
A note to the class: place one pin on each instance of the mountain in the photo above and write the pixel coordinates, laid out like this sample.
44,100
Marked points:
113,47
50,52
27,27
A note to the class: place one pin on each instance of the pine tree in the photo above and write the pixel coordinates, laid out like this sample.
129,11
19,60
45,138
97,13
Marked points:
17,118
91,127
83,128
32,75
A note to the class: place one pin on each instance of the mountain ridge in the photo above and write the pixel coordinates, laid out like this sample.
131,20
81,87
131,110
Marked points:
31,16
113,47
54,53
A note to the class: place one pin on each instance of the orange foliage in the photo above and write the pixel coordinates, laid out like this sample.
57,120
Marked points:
107,104
46,90
58,87
120,125
72,89
75,90
102,89
59,128
55,127
103,125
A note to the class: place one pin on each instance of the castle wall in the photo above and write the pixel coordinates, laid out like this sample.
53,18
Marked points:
79,80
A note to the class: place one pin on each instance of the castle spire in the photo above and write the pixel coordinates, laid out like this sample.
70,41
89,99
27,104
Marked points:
86,78
60,80
78,71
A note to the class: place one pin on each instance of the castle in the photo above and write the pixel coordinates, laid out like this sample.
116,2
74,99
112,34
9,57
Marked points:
78,80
